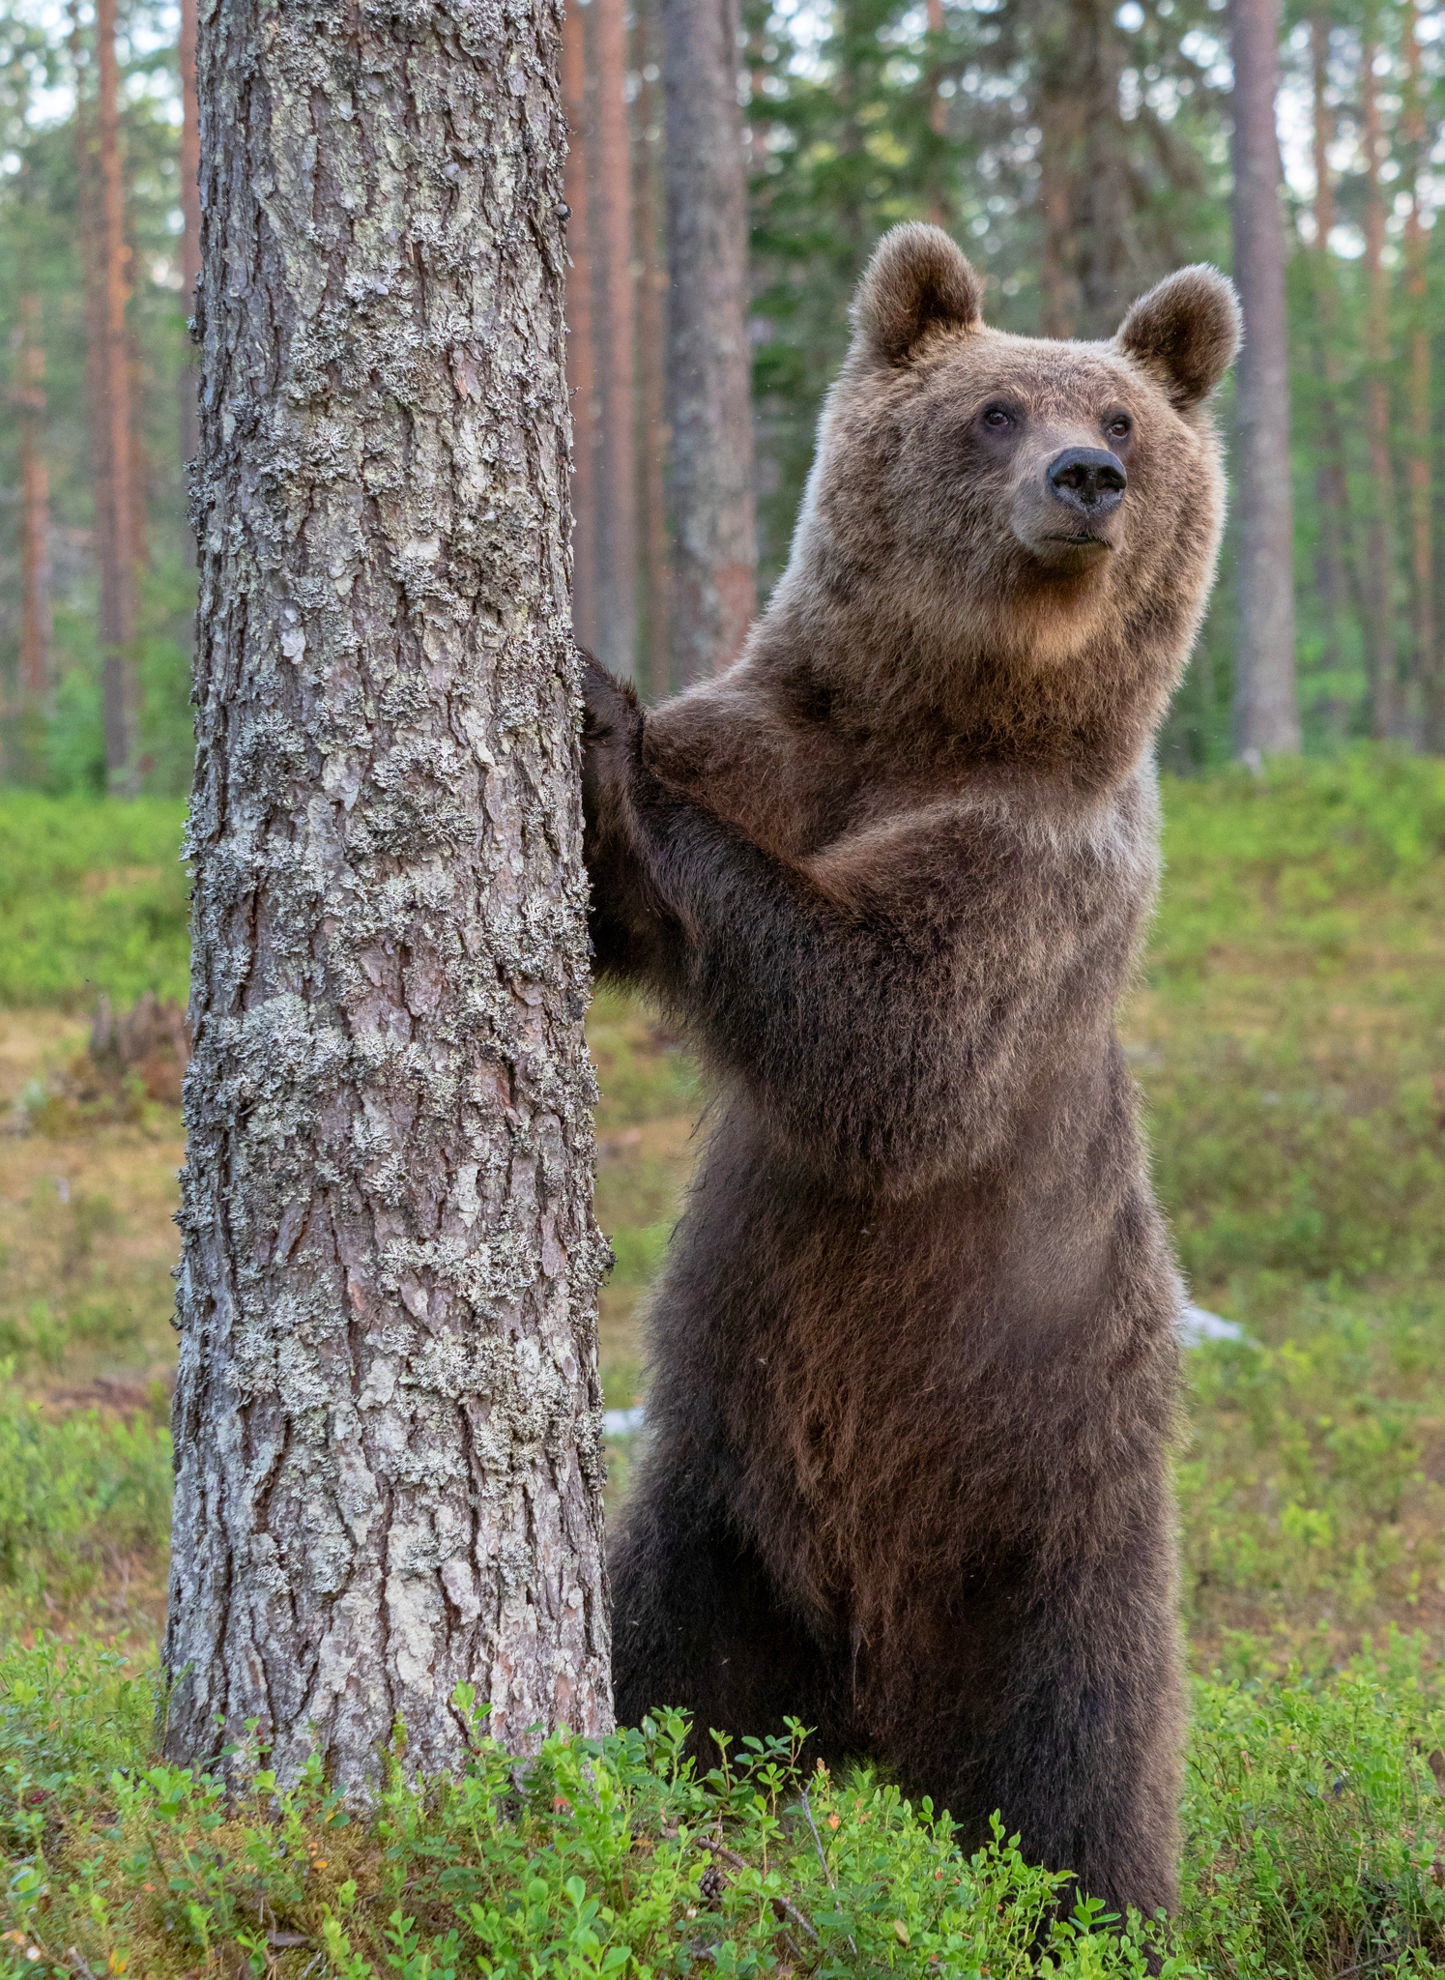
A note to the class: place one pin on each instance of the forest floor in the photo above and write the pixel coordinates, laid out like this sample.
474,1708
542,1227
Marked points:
1289,1036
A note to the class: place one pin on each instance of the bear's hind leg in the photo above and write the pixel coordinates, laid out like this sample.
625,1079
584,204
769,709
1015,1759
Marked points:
697,1623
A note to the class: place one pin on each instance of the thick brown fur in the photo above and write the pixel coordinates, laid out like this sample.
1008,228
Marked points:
905,1473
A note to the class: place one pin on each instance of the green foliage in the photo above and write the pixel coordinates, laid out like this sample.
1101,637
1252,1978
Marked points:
93,898
75,1491
1312,1822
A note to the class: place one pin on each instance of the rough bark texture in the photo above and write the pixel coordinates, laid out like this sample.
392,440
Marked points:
610,195
35,614
1266,713
581,362
387,1418
708,358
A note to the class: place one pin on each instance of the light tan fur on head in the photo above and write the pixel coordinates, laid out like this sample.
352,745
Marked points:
931,567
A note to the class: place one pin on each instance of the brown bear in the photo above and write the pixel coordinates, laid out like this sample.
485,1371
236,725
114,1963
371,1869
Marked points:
905,1474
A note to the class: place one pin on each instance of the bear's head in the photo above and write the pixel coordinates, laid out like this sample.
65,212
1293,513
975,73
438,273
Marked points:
1023,528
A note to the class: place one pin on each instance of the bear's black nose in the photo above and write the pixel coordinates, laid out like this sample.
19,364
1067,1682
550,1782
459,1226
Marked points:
1088,480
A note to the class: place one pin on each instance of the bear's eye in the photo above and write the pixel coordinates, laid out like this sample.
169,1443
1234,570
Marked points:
1118,426
998,418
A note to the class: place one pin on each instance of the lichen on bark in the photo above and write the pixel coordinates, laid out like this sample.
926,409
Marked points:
387,1418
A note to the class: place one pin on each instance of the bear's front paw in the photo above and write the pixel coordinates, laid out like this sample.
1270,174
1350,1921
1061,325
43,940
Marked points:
611,711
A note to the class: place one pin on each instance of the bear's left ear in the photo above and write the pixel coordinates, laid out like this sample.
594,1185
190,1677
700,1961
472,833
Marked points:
1185,331
917,281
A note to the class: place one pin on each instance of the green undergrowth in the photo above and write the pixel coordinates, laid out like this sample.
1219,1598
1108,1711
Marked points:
83,1495
92,899
1312,1824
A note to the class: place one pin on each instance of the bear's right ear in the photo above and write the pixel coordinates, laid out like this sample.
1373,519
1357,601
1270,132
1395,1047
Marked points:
917,281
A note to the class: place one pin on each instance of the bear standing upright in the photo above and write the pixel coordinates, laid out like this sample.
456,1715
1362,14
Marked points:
905,1475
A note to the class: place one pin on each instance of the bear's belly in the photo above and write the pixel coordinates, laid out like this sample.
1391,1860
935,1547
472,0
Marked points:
948,1376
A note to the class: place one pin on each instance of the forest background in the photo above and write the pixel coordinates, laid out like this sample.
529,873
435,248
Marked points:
1078,149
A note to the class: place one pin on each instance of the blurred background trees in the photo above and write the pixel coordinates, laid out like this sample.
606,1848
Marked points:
731,170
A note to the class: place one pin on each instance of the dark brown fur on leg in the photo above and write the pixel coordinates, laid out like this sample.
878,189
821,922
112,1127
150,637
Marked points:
913,1359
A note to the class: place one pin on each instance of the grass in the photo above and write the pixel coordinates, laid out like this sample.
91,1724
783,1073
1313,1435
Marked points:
1289,1035
92,899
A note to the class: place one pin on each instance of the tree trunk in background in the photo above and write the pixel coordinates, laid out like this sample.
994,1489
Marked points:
581,362
119,533
656,645
105,254
1266,712
35,616
190,218
1090,264
1380,535
708,354
388,1474
612,339
1426,667
940,204
1331,483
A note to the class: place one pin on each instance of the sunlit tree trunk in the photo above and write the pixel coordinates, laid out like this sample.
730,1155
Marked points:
613,342
388,1478
1425,658
1266,713
1380,532
105,258
35,612
581,357
710,474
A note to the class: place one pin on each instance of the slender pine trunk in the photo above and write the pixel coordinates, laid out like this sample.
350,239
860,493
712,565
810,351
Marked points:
35,610
613,341
708,356
656,642
388,1473
581,355
1266,713
1427,674
1382,651
190,218
119,517
1331,483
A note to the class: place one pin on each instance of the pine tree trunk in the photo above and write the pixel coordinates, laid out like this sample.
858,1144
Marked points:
1426,669
190,218
940,201
388,1476
1331,484
117,516
708,355
1380,532
612,336
1266,713
35,614
581,357
656,642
